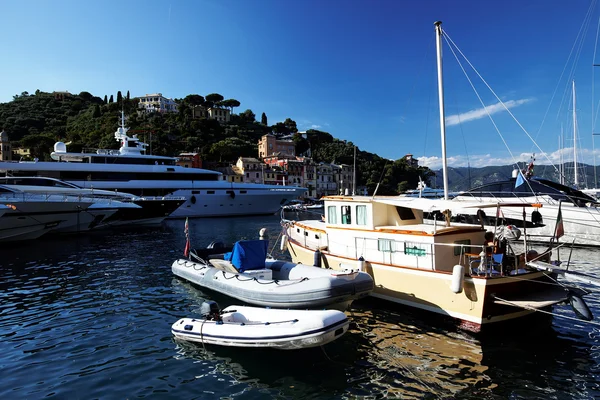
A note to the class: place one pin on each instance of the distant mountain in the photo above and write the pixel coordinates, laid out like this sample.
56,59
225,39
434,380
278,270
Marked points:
464,178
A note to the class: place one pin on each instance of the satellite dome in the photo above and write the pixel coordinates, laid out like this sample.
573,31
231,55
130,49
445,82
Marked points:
60,147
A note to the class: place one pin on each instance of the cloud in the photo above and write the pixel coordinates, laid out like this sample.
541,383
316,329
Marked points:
483,112
483,160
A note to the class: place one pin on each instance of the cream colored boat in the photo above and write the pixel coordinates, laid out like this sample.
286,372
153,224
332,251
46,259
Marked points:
446,269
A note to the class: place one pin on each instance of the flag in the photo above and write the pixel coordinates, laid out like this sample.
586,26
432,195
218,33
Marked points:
520,180
186,229
559,231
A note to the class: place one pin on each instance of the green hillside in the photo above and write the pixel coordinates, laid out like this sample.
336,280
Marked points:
38,120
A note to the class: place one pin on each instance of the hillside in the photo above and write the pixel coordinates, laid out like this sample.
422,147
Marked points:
36,121
464,178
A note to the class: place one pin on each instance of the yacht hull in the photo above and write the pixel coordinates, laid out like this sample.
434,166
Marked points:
473,309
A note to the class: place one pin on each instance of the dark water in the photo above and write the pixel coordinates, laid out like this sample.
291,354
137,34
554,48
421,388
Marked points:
90,316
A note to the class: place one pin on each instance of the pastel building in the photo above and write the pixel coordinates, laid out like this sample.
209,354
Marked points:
5,147
269,145
156,102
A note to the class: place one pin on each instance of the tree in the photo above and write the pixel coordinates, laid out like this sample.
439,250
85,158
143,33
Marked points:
291,125
96,112
263,119
214,98
119,97
105,99
86,96
111,99
231,104
128,98
194,100
248,116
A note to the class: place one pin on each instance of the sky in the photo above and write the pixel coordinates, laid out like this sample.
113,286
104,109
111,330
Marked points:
364,71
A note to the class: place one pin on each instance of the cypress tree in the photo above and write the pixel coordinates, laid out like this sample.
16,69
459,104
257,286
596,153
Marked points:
105,99
111,99
119,97
263,119
128,98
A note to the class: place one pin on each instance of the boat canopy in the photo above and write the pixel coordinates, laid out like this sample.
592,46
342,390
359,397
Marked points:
248,255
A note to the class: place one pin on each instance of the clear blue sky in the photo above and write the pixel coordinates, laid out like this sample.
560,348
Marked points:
362,70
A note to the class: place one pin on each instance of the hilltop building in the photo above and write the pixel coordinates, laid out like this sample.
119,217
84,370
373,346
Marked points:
189,160
156,102
218,113
269,145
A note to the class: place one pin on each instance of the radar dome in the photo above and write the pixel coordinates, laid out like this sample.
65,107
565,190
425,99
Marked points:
60,147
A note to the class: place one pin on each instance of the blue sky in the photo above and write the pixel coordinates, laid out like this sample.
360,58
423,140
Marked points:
362,70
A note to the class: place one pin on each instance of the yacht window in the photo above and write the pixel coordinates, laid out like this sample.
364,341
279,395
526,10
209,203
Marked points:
243,191
385,245
195,192
458,250
346,215
405,213
210,192
331,215
361,215
413,249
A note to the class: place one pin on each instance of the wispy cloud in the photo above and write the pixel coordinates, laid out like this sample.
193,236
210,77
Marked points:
483,112
483,160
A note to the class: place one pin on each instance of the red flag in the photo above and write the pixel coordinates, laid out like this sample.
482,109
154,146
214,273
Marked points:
186,229
560,229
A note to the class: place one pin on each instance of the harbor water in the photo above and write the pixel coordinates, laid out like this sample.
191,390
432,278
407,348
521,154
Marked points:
89,316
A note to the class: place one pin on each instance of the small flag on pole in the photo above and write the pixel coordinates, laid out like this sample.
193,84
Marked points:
520,180
559,231
186,229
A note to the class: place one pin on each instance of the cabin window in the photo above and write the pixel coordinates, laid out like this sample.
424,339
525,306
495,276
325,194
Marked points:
361,215
413,249
346,215
210,192
243,191
405,213
461,247
195,192
385,245
331,215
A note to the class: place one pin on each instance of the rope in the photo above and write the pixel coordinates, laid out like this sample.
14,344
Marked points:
547,312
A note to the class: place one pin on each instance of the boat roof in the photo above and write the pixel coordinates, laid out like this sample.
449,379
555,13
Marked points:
428,205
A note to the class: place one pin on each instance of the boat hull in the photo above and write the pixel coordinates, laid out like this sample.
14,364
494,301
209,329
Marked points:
290,285
252,327
474,308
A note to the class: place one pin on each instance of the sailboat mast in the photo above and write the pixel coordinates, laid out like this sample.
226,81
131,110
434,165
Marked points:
575,137
354,175
438,42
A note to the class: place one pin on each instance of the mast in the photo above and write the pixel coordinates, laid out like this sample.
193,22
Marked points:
575,137
438,42
354,175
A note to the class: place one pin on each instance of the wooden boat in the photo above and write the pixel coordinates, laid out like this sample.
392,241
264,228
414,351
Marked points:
242,326
454,270
247,274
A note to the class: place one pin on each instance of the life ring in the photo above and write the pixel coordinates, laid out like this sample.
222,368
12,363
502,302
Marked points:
193,199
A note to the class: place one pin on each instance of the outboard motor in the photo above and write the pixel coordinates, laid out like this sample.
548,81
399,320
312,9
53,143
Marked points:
210,311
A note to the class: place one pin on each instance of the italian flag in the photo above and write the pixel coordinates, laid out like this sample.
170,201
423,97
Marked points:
559,231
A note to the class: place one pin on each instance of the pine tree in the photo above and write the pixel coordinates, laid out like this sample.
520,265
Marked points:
263,119
105,99
111,99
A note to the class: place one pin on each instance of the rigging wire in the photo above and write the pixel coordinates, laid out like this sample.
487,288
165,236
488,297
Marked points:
449,40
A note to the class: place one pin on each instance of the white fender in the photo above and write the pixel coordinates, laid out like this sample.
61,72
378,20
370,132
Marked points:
283,244
458,277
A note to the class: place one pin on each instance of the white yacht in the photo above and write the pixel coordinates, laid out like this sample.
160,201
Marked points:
29,216
129,169
120,208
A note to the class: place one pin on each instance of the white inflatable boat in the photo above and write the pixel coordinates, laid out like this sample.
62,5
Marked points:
242,326
247,275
